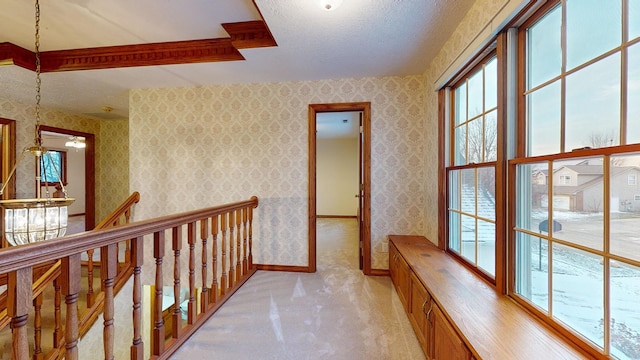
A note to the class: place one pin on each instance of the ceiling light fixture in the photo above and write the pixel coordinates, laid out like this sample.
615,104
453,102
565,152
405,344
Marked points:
31,220
329,5
76,142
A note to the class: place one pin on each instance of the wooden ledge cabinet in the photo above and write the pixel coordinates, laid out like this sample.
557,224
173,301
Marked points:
458,316
437,337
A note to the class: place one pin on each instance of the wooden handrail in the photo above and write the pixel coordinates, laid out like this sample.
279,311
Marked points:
126,206
46,273
18,262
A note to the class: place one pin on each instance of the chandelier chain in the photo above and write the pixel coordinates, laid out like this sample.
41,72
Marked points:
37,139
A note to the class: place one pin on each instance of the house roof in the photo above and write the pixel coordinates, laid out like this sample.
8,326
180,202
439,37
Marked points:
571,190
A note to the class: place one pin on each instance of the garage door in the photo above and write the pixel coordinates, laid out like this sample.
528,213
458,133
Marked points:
561,202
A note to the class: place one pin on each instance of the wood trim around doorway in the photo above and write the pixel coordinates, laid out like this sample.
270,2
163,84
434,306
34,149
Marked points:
365,107
90,170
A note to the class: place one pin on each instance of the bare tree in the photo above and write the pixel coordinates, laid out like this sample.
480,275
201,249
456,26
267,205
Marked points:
602,139
605,139
482,139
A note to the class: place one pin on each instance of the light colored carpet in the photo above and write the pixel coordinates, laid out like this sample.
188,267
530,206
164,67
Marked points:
336,313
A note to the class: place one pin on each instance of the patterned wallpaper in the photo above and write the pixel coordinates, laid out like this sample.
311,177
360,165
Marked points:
111,150
196,147
113,163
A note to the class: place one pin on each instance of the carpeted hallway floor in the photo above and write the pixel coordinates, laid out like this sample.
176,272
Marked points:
336,313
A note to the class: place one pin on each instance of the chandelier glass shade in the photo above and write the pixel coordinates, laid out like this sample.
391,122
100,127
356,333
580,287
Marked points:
32,220
37,219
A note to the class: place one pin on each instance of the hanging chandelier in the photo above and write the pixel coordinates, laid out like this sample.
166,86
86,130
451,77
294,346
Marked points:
41,218
77,142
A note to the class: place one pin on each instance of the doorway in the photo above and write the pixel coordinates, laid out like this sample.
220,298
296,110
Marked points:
89,170
363,193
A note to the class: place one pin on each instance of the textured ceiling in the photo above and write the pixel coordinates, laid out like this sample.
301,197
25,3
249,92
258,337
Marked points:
362,38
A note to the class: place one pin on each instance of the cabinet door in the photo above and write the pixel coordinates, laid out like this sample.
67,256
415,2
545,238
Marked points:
420,305
393,266
447,345
399,271
403,282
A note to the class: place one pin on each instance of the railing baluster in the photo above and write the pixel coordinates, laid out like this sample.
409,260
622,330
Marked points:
70,287
191,233
177,314
231,245
223,229
19,301
238,248
91,298
245,268
57,314
158,329
37,327
250,218
214,259
108,271
226,276
118,252
204,296
137,251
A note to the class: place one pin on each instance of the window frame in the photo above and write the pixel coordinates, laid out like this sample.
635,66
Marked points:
632,179
495,49
522,157
45,158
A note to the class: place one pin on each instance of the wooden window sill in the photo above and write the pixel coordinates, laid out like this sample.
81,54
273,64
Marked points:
492,325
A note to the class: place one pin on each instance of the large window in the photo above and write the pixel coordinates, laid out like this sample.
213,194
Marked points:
472,169
576,249
569,130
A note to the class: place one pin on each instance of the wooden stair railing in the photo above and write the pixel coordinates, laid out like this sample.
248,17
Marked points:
231,264
45,274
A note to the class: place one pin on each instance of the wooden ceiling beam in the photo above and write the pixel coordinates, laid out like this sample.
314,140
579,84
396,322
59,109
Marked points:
11,54
167,53
249,34
242,35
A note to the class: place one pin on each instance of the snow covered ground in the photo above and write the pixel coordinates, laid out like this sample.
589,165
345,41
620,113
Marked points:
577,285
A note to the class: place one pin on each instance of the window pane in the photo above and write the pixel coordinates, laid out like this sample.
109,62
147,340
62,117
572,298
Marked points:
461,104
544,120
625,318
634,19
625,206
577,297
593,105
454,190
455,236
468,250
460,147
487,193
491,84
633,95
491,136
532,196
475,95
51,167
593,22
578,202
476,140
468,191
544,49
532,269
487,246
